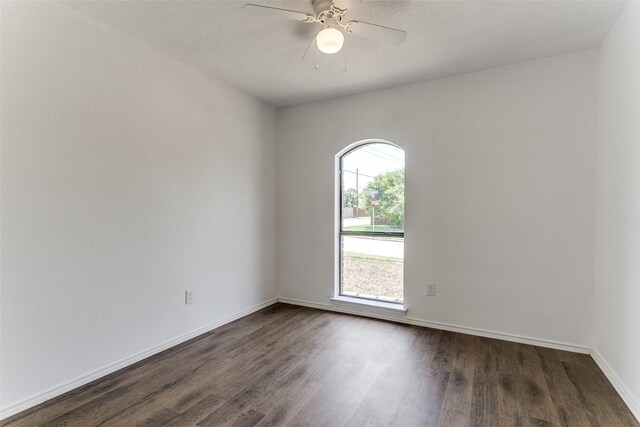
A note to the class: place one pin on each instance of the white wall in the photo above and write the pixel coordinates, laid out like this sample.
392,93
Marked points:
127,178
500,198
617,290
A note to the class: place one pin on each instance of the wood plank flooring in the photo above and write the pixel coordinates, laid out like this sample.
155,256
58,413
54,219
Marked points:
288,365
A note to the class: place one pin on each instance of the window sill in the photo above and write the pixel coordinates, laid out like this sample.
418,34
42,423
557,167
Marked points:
369,306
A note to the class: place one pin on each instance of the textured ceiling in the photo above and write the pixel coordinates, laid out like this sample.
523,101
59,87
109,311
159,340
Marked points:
263,55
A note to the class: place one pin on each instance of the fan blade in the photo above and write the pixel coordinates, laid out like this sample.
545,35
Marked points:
274,12
376,32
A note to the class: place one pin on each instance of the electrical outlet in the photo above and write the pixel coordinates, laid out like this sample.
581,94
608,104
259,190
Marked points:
188,297
431,289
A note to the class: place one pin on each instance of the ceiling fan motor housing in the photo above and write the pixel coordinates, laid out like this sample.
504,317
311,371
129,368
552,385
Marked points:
320,6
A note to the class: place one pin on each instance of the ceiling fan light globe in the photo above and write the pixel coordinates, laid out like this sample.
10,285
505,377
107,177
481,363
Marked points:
330,40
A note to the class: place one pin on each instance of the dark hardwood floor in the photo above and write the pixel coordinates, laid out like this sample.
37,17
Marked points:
296,366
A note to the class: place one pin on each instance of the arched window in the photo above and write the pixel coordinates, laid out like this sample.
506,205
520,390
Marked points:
371,222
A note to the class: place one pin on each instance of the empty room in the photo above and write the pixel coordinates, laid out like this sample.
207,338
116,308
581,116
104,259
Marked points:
319,213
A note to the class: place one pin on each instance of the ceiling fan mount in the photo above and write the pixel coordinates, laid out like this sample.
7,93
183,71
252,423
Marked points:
320,6
326,11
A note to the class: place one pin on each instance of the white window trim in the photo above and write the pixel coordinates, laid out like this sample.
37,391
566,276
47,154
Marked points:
364,305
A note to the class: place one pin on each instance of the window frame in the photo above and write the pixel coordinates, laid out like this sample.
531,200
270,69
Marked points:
340,233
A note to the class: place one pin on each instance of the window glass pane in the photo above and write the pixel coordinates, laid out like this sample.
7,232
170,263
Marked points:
372,267
373,189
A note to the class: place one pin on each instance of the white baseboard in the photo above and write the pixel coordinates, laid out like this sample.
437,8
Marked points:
613,378
91,376
443,326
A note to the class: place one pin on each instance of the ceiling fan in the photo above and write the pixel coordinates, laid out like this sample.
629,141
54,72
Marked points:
331,38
